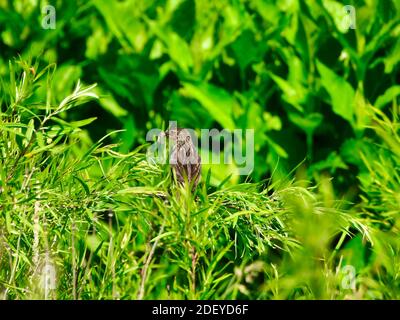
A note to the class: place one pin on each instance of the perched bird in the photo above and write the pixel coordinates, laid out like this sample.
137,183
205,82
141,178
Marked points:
184,159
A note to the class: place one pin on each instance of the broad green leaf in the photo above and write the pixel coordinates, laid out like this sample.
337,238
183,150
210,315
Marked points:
338,13
246,49
340,91
111,14
177,48
217,101
179,51
268,11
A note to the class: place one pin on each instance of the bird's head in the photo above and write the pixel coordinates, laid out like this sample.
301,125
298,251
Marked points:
179,136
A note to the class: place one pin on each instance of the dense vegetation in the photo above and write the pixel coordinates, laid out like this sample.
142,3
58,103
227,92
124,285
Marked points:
84,215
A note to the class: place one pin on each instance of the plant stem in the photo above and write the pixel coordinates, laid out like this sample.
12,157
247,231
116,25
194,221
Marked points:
146,265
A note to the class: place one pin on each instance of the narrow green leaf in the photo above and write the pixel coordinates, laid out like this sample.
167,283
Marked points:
387,97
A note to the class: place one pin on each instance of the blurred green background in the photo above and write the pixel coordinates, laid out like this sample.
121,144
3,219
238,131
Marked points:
287,69
323,101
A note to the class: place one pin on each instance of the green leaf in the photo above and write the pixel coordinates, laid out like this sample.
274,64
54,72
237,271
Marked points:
128,136
340,92
108,102
272,122
83,184
387,97
110,14
393,58
29,131
332,162
338,14
217,101
277,148
179,51
293,93
176,47
246,49
74,124
308,122
40,139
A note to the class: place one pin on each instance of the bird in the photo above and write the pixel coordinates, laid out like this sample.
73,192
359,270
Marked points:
184,160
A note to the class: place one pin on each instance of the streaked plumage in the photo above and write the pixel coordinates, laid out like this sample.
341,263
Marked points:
184,159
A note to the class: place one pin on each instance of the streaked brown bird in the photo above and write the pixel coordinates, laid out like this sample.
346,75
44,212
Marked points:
184,159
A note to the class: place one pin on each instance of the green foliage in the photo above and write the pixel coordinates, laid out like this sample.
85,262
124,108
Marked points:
212,64
78,194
